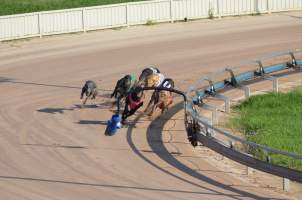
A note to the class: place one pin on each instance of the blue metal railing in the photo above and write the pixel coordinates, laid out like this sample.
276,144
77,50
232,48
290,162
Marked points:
196,95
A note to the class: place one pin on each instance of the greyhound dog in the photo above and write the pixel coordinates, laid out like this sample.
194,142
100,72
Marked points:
154,80
133,102
90,90
146,73
123,87
161,99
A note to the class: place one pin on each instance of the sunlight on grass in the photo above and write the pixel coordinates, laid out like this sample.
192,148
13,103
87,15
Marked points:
274,120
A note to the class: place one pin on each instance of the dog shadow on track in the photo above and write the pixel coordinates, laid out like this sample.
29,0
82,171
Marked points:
92,122
61,110
54,110
105,95
56,146
5,79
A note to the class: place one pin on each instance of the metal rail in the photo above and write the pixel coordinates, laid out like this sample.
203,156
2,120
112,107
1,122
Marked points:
248,160
249,74
167,89
202,128
236,138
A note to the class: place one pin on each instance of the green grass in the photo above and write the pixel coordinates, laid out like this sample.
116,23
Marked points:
151,23
211,13
274,120
10,7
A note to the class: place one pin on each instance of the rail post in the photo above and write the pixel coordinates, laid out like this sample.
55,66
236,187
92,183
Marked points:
249,170
286,184
227,102
171,11
274,81
213,109
246,89
218,8
84,19
268,7
127,15
39,25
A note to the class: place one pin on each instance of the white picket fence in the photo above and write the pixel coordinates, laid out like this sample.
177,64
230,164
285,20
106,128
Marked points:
127,14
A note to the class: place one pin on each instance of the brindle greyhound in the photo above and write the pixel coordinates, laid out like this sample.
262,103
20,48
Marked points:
161,99
90,90
123,87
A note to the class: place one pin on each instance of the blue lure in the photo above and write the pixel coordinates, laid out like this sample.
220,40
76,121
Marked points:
113,125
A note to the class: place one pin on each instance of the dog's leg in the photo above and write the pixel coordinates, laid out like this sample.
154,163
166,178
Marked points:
148,106
152,110
85,100
95,94
113,103
164,109
153,101
83,91
125,112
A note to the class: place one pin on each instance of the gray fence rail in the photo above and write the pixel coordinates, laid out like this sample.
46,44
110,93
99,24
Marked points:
202,129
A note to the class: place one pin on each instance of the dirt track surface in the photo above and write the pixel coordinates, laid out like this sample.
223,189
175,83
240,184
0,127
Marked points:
53,149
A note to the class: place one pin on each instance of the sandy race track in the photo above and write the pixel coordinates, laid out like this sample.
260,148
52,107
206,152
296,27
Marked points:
53,149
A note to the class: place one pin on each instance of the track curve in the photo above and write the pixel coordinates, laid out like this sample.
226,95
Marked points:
53,149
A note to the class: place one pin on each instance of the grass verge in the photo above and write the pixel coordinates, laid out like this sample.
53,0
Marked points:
10,7
151,23
274,120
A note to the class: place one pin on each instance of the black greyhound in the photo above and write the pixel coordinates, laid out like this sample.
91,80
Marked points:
156,101
90,90
123,87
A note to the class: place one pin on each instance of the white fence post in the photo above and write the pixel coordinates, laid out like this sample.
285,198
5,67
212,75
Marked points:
252,6
213,109
210,8
187,12
171,11
127,15
268,6
276,85
286,184
227,102
218,8
39,25
246,89
249,170
83,19
274,81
